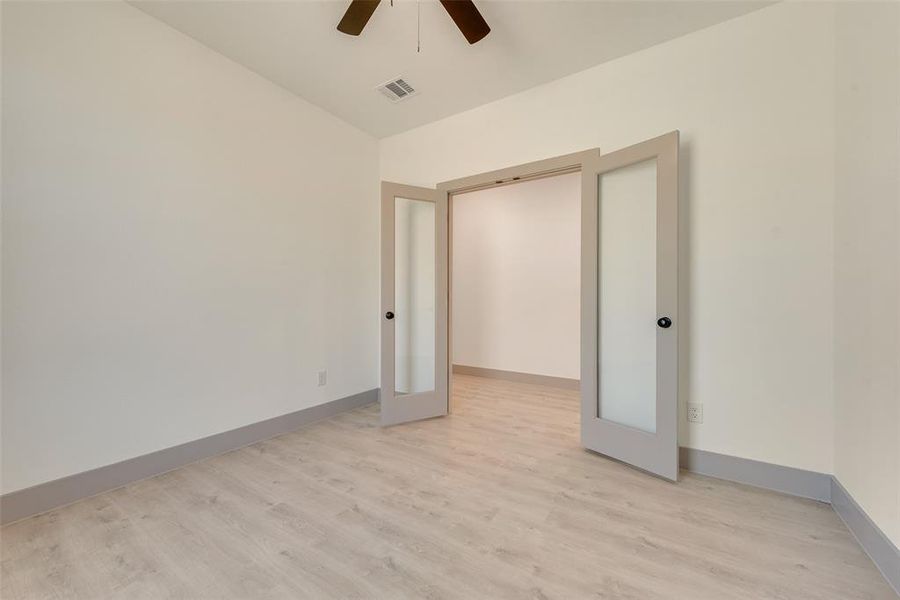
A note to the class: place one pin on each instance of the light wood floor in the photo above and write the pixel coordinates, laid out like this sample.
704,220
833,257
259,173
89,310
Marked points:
496,501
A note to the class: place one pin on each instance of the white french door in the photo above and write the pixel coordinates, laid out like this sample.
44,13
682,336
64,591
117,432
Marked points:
629,308
414,316
629,312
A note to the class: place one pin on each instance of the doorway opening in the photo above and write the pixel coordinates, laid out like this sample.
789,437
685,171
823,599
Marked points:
515,294
628,311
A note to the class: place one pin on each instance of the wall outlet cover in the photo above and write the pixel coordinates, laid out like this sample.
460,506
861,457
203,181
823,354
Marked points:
694,412
323,378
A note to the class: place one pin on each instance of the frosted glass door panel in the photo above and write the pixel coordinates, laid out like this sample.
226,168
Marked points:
627,296
414,262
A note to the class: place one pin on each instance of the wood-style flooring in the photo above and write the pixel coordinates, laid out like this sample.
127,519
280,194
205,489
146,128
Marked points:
498,500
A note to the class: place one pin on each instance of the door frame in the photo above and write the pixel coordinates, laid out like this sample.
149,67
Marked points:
530,171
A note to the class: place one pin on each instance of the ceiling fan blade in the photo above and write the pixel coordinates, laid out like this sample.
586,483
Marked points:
467,18
358,14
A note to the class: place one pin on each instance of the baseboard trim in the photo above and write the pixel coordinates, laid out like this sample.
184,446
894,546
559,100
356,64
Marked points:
548,380
806,484
874,542
66,490
47,496
787,480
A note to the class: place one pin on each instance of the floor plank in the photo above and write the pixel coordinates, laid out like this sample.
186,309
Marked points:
498,500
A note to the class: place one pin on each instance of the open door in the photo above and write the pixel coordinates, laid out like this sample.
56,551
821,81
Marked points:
629,303
414,237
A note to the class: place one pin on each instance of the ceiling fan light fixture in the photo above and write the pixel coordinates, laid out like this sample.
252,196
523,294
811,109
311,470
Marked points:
463,12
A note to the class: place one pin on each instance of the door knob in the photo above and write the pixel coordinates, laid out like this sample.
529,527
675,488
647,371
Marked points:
664,322
388,315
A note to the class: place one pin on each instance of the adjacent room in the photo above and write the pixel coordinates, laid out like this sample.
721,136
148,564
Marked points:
450,299
515,258
515,292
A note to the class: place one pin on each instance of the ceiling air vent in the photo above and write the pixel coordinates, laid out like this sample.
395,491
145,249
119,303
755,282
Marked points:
396,90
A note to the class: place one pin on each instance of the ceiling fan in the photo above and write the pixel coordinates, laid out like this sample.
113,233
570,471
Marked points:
463,12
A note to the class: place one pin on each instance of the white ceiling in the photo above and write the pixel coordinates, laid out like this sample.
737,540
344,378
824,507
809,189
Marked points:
295,44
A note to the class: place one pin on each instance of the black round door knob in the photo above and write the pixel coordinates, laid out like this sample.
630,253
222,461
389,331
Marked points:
388,315
664,322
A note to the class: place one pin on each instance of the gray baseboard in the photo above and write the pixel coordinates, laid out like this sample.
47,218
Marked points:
548,380
798,482
59,492
806,484
876,544
788,480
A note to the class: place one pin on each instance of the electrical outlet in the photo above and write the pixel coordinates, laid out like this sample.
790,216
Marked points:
323,378
694,412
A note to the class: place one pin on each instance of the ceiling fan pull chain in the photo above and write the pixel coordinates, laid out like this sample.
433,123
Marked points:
418,27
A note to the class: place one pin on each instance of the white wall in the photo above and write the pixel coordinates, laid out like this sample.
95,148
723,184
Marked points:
867,259
753,98
516,277
184,243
